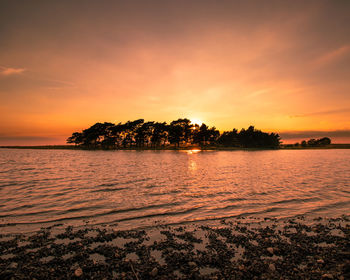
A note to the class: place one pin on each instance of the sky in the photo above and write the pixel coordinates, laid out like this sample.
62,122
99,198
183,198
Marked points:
282,66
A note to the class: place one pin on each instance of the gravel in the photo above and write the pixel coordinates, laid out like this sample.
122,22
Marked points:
230,249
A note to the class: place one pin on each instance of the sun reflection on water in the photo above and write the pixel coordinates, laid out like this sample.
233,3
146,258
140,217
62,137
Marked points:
193,151
192,165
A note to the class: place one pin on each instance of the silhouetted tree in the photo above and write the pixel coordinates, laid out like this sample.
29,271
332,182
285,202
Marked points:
117,134
76,138
144,134
129,132
212,135
253,138
93,135
160,134
316,142
200,134
324,141
179,131
175,134
139,133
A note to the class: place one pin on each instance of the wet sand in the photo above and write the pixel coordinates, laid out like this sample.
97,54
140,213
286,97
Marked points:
237,248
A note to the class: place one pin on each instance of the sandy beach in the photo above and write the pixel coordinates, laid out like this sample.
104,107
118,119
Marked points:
240,248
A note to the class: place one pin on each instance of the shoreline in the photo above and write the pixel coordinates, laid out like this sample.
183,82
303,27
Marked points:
185,148
238,248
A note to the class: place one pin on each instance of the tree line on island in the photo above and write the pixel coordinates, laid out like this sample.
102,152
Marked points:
181,132
324,141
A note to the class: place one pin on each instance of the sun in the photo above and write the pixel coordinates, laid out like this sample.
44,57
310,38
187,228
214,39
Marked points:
196,121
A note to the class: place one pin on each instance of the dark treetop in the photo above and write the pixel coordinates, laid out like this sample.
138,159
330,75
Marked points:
178,133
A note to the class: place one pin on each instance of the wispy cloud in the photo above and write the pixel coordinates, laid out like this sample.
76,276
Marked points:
332,55
7,71
258,93
58,84
322,113
6,140
315,134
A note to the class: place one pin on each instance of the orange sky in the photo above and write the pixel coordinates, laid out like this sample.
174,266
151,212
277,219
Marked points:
282,66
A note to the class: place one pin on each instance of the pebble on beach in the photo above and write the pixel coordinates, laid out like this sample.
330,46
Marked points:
270,250
13,265
231,251
78,272
154,272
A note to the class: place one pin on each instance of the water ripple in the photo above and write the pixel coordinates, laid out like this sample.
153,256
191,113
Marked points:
133,189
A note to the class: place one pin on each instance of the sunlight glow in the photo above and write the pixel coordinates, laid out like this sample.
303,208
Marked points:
171,60
196,121
192,166
193,151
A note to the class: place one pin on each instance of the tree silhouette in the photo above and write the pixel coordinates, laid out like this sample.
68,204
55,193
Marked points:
316,142
204,136
229,139
76,138
129,132
324,141
142,134
175,134
159,135
180,131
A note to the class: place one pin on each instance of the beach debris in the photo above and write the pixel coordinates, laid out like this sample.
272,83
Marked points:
133,270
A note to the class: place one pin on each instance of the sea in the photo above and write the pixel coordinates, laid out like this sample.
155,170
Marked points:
139,189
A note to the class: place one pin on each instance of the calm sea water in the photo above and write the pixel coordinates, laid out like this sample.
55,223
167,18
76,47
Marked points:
138,188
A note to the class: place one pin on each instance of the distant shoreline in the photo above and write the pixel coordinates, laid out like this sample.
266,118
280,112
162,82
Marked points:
208,148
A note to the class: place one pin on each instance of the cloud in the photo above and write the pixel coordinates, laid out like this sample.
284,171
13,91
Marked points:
315,134
7,71
322,113
332,55
9,140
27,138
57,84
258,93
